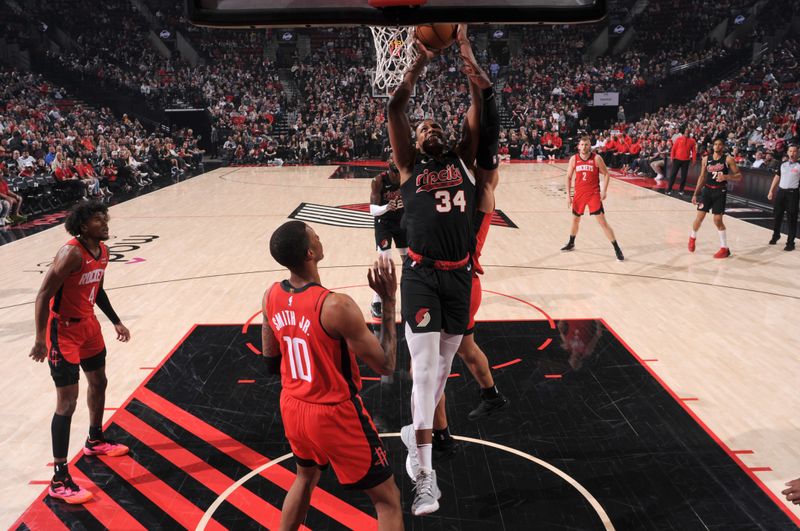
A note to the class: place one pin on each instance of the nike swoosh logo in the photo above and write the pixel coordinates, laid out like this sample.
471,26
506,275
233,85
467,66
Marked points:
88,261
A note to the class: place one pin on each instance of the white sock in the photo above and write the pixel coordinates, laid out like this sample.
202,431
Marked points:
693,234
425,456
723,239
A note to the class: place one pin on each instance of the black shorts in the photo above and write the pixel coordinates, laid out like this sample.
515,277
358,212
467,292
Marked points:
433,300
712,199
65,373
388,230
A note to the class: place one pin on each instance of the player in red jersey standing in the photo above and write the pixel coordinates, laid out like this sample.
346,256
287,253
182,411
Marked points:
68,335
310,337
587,167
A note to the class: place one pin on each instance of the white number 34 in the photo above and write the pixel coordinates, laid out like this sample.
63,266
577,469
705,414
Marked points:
445,203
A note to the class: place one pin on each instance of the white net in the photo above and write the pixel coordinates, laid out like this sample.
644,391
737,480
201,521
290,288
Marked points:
395,51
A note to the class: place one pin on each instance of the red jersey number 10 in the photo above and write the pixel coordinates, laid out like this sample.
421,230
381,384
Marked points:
299,361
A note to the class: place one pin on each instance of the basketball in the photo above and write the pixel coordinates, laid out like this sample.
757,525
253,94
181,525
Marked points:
436,36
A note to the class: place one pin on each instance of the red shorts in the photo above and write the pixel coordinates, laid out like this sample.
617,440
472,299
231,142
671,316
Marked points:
474,303
589,199
73,340
341,435
72,344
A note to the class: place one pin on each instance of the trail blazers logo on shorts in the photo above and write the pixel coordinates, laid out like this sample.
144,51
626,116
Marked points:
423,317
357,216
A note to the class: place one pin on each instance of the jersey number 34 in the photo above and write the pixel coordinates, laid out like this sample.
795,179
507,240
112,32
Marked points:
446,201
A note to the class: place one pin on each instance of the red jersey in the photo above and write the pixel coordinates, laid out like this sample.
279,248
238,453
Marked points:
76,296
587,174
315,367
683,148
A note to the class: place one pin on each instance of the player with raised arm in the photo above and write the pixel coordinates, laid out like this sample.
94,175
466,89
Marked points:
311,337
487,177
438,189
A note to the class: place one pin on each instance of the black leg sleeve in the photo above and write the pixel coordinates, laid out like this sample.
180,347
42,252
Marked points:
59,429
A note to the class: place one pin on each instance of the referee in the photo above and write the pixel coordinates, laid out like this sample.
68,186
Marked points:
787,181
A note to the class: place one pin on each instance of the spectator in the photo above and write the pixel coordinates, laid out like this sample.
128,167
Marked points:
12,203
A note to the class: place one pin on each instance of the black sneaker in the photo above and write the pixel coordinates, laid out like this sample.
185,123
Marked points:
668,192
488,406
774,240
376,310
620,256
789,246
444,448
568,247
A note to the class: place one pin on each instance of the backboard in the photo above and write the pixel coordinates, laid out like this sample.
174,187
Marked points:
294,13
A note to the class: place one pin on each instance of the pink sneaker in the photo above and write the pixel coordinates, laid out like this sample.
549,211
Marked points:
66,489
104,447
692,244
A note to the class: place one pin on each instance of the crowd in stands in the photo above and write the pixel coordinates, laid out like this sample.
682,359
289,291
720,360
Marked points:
322,109
545,85
51,143
757,112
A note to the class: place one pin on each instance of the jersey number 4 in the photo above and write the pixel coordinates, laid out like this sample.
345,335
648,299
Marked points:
300,363
446,201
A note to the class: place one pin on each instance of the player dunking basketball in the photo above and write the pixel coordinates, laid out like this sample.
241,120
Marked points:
587,167
386,205
722,168
438,189
487,178
68,335
310,337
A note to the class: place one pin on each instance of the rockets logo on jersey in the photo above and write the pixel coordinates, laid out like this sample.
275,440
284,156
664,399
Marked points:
432,180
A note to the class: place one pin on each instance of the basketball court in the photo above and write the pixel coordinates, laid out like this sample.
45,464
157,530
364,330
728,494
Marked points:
654,393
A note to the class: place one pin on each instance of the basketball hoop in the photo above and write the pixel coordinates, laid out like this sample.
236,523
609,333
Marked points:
394,53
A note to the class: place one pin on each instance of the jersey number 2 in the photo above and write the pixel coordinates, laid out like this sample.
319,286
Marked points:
300,363
446,205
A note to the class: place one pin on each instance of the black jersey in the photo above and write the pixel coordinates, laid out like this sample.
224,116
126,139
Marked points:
439,201
389,192
717,165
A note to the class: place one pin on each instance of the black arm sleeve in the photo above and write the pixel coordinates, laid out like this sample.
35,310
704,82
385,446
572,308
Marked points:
489,132
105,305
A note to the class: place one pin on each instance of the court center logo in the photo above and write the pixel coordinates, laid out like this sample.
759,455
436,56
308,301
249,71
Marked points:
357,216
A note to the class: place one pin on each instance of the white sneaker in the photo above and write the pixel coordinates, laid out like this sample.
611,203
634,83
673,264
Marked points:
426,494
409,437
659,177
